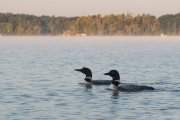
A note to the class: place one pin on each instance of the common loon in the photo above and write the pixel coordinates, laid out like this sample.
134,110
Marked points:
89,80
124,87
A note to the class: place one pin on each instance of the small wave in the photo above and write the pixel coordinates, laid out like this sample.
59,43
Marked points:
170,108
26,95
166,90
160,83
52,94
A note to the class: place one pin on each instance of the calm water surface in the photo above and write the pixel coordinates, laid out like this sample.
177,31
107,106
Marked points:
38,81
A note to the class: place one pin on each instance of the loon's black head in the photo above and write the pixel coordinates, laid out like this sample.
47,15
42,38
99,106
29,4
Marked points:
87,72
115,77
114,74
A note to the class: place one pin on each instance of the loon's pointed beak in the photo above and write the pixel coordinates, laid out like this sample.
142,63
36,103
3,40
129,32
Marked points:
106,73
78,70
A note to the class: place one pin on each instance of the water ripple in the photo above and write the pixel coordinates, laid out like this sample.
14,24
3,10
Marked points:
38,81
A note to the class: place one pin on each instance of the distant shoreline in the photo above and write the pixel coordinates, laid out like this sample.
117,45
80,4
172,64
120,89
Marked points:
94,25
88,36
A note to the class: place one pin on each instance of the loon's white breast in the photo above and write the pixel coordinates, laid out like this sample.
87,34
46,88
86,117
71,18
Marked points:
113,87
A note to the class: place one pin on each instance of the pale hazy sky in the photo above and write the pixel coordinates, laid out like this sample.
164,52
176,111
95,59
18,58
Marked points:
89,7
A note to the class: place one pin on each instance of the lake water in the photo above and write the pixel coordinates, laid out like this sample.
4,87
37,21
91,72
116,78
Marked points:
38,81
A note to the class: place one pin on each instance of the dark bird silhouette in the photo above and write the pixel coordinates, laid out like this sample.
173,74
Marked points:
88,78
124,87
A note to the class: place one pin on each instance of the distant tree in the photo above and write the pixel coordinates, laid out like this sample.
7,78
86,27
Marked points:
121,24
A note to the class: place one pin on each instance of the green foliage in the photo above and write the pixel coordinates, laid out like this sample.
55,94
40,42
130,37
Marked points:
170,24
145,24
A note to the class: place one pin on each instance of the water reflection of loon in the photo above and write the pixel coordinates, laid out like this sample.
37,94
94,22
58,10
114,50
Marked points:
124,87
89,80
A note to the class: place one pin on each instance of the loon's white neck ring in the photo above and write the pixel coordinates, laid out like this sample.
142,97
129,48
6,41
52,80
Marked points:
116,80
88,80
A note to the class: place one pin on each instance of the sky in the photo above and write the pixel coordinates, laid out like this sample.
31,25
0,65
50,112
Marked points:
71,8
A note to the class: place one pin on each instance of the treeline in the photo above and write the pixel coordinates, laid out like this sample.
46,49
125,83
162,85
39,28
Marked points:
22,24
122,24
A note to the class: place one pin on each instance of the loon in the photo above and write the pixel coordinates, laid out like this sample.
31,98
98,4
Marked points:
89,80
124,87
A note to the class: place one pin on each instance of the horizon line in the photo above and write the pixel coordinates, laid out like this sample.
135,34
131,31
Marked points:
133,14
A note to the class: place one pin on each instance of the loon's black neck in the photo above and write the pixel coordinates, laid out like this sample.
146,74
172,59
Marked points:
114,84
88,78
116,77
116,80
